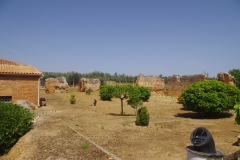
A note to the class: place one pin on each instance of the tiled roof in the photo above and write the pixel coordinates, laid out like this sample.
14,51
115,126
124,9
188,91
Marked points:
14,68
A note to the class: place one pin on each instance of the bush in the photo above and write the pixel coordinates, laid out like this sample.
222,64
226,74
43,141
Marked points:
210,97
15,121
145,93
72,99
89,91
106,92
142,117
236,110
134,96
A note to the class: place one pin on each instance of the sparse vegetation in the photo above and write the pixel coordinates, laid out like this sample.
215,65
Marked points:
72,99
85,146
15,121
89,91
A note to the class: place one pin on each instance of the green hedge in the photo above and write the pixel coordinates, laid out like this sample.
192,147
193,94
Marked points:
15,121
106,92
210,96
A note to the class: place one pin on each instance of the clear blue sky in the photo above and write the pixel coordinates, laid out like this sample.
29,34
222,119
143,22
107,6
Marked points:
152,37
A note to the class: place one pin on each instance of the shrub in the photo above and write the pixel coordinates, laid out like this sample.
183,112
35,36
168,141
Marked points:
106,92
210,96
236,110
142,117
145,93
134,96
89,91
15,121
72,99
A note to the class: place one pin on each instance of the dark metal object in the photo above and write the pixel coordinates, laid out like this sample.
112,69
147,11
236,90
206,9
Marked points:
203,143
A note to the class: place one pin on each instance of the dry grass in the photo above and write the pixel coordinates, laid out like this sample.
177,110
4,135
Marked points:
166,137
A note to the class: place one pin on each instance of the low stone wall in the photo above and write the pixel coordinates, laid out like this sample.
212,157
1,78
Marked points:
176,85
86,83
154,83
56,85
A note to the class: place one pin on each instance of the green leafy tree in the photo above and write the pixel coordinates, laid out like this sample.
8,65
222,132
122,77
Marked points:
121,92
143,117
236,110
210,96
106,92
145,93
135,99
236,74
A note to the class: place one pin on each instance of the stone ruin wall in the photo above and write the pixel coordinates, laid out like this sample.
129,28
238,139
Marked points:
56,85
86,83
176,85
226,78
156,84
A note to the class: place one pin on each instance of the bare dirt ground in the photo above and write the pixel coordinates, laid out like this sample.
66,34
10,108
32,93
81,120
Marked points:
59,128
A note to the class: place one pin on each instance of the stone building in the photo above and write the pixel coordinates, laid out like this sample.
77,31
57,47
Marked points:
19,82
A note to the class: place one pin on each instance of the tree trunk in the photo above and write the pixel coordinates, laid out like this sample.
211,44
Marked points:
121,106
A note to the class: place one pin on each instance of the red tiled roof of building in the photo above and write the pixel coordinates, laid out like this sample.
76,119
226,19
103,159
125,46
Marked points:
10,67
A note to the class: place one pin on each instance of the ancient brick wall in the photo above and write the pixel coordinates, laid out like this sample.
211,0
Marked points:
226,78
176,85
56,85
154,83
86,83
20,88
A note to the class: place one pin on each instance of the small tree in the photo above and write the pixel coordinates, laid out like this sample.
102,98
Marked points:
142,117
121,92
134,100
72,99
145,93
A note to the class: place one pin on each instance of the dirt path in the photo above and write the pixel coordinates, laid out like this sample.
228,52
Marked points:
166,137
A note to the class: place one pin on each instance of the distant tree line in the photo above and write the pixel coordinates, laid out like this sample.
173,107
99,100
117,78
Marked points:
74,77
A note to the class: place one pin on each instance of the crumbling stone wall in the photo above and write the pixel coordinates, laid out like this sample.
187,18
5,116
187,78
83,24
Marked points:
86,83
176,85
56,85
154,83
226,78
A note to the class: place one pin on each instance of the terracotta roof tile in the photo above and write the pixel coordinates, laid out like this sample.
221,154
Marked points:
9,67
